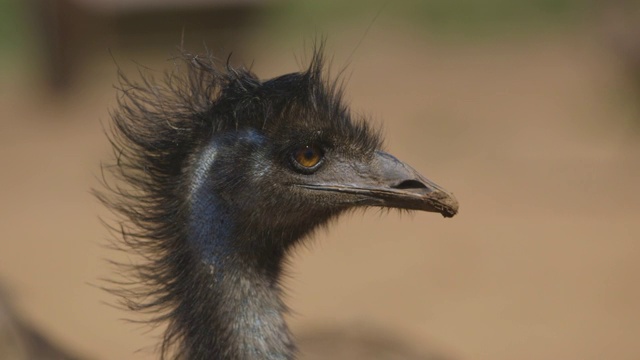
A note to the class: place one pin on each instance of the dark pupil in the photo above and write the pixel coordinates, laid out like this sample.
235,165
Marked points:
309,153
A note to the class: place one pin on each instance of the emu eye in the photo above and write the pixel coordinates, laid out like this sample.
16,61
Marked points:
308,157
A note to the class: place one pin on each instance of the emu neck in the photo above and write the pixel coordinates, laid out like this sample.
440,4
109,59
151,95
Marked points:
235,306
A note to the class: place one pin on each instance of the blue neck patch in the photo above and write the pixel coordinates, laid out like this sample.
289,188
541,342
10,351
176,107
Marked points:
210,223
209,228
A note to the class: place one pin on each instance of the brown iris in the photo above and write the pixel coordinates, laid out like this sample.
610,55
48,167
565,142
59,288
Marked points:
308,156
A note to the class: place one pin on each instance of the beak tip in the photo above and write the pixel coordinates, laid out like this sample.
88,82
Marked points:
449,214
447,204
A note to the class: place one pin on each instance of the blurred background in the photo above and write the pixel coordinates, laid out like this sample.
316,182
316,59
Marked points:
528,110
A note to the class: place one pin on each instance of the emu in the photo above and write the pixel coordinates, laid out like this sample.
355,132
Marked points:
219,175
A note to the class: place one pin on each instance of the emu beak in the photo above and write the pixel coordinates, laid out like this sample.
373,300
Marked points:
388,182
398,185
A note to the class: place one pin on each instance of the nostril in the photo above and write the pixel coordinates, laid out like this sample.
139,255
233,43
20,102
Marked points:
410,184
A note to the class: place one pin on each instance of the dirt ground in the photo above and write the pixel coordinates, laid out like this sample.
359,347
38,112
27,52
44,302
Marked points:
535,136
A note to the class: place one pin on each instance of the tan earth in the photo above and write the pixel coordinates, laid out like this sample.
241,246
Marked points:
535,135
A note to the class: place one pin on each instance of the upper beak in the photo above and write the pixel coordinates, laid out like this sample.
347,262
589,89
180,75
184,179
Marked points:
387,181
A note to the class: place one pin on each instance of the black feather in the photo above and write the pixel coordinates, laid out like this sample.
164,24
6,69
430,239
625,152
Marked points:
159,132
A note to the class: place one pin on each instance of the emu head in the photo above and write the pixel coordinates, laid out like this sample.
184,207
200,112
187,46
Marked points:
288,155
221,173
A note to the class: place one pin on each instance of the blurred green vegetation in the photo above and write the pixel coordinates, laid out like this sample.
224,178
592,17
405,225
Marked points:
14,30
465,19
